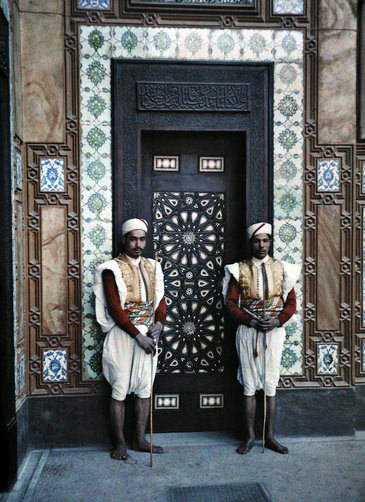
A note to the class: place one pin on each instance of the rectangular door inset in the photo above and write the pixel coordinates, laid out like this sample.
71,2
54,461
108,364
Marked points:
189,236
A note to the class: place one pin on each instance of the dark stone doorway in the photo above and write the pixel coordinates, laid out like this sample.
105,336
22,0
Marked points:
169,119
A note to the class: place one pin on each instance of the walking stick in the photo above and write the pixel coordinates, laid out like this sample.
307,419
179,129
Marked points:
264,423
152,354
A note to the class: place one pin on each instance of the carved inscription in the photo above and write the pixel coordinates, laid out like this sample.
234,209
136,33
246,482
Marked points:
193,97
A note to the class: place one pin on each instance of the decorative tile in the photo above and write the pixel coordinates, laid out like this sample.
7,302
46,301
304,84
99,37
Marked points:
363,355
288,6
94,4
55,366
97,46
327,359
52,175
363,177
166,401
19,170
211,164
165,163
328,175
211,401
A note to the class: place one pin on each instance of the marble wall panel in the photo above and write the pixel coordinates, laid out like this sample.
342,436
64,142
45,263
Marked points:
328,267
337,86
54,270
43,77
337,14
17,71
51,6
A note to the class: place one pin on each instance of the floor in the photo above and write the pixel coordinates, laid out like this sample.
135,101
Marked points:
321,470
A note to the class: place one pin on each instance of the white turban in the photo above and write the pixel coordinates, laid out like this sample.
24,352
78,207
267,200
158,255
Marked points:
134,224
259,228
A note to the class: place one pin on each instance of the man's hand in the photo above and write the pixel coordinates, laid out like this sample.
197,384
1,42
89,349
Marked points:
155,331
267,324
254,323
146,343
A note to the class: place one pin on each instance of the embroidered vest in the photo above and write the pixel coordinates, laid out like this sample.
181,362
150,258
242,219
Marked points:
132,278
248,279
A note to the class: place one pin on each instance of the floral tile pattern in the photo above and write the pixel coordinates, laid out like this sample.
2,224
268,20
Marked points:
94,4
52,175
288,6
328,175
327,359
55,366
97,46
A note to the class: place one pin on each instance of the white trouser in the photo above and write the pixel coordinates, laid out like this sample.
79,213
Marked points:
126,366
251,372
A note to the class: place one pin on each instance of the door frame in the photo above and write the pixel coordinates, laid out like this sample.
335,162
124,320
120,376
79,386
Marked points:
117,142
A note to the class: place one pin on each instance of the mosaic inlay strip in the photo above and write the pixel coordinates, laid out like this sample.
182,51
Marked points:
166,401
328,175
55,366
211,401
327,359
19,170
52,175
196,2
211,164
165,163
363,266
98,45
94,4
288,6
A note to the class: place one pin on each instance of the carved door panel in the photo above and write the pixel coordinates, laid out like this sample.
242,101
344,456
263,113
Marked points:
193,196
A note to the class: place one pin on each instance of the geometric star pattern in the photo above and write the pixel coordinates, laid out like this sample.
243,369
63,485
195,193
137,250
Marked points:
189,235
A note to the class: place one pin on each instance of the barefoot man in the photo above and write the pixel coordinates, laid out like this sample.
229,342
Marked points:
260,297
126,289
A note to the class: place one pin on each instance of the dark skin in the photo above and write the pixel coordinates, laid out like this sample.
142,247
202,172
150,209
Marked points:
134,243
260,245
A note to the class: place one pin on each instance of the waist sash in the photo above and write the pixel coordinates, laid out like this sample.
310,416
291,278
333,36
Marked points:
265,308
139,312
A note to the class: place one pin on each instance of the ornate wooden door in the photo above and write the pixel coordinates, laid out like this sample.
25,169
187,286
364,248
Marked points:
193,185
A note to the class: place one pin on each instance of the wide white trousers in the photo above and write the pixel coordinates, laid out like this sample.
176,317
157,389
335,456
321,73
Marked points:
126,366
251,372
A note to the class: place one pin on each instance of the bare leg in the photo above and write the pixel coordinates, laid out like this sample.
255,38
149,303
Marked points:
142,409
250,410
117,419
270,442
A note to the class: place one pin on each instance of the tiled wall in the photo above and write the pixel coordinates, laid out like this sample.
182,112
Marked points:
98,45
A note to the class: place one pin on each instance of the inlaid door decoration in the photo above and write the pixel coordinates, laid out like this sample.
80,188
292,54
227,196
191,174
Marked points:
188,234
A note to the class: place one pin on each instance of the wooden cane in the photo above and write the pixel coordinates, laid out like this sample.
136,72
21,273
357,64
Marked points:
152,354
264,424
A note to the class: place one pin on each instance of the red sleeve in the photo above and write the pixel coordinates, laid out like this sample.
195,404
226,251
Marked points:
232,303
290,306
113,304
160,313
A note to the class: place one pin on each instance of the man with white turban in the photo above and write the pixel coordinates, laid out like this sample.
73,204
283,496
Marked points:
129,290
259,295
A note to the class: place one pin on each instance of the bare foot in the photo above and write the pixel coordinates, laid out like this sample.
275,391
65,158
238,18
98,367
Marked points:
119,452
246,446
145,446
272,444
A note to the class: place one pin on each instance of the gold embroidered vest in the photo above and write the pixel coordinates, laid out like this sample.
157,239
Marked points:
248,279
132,278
